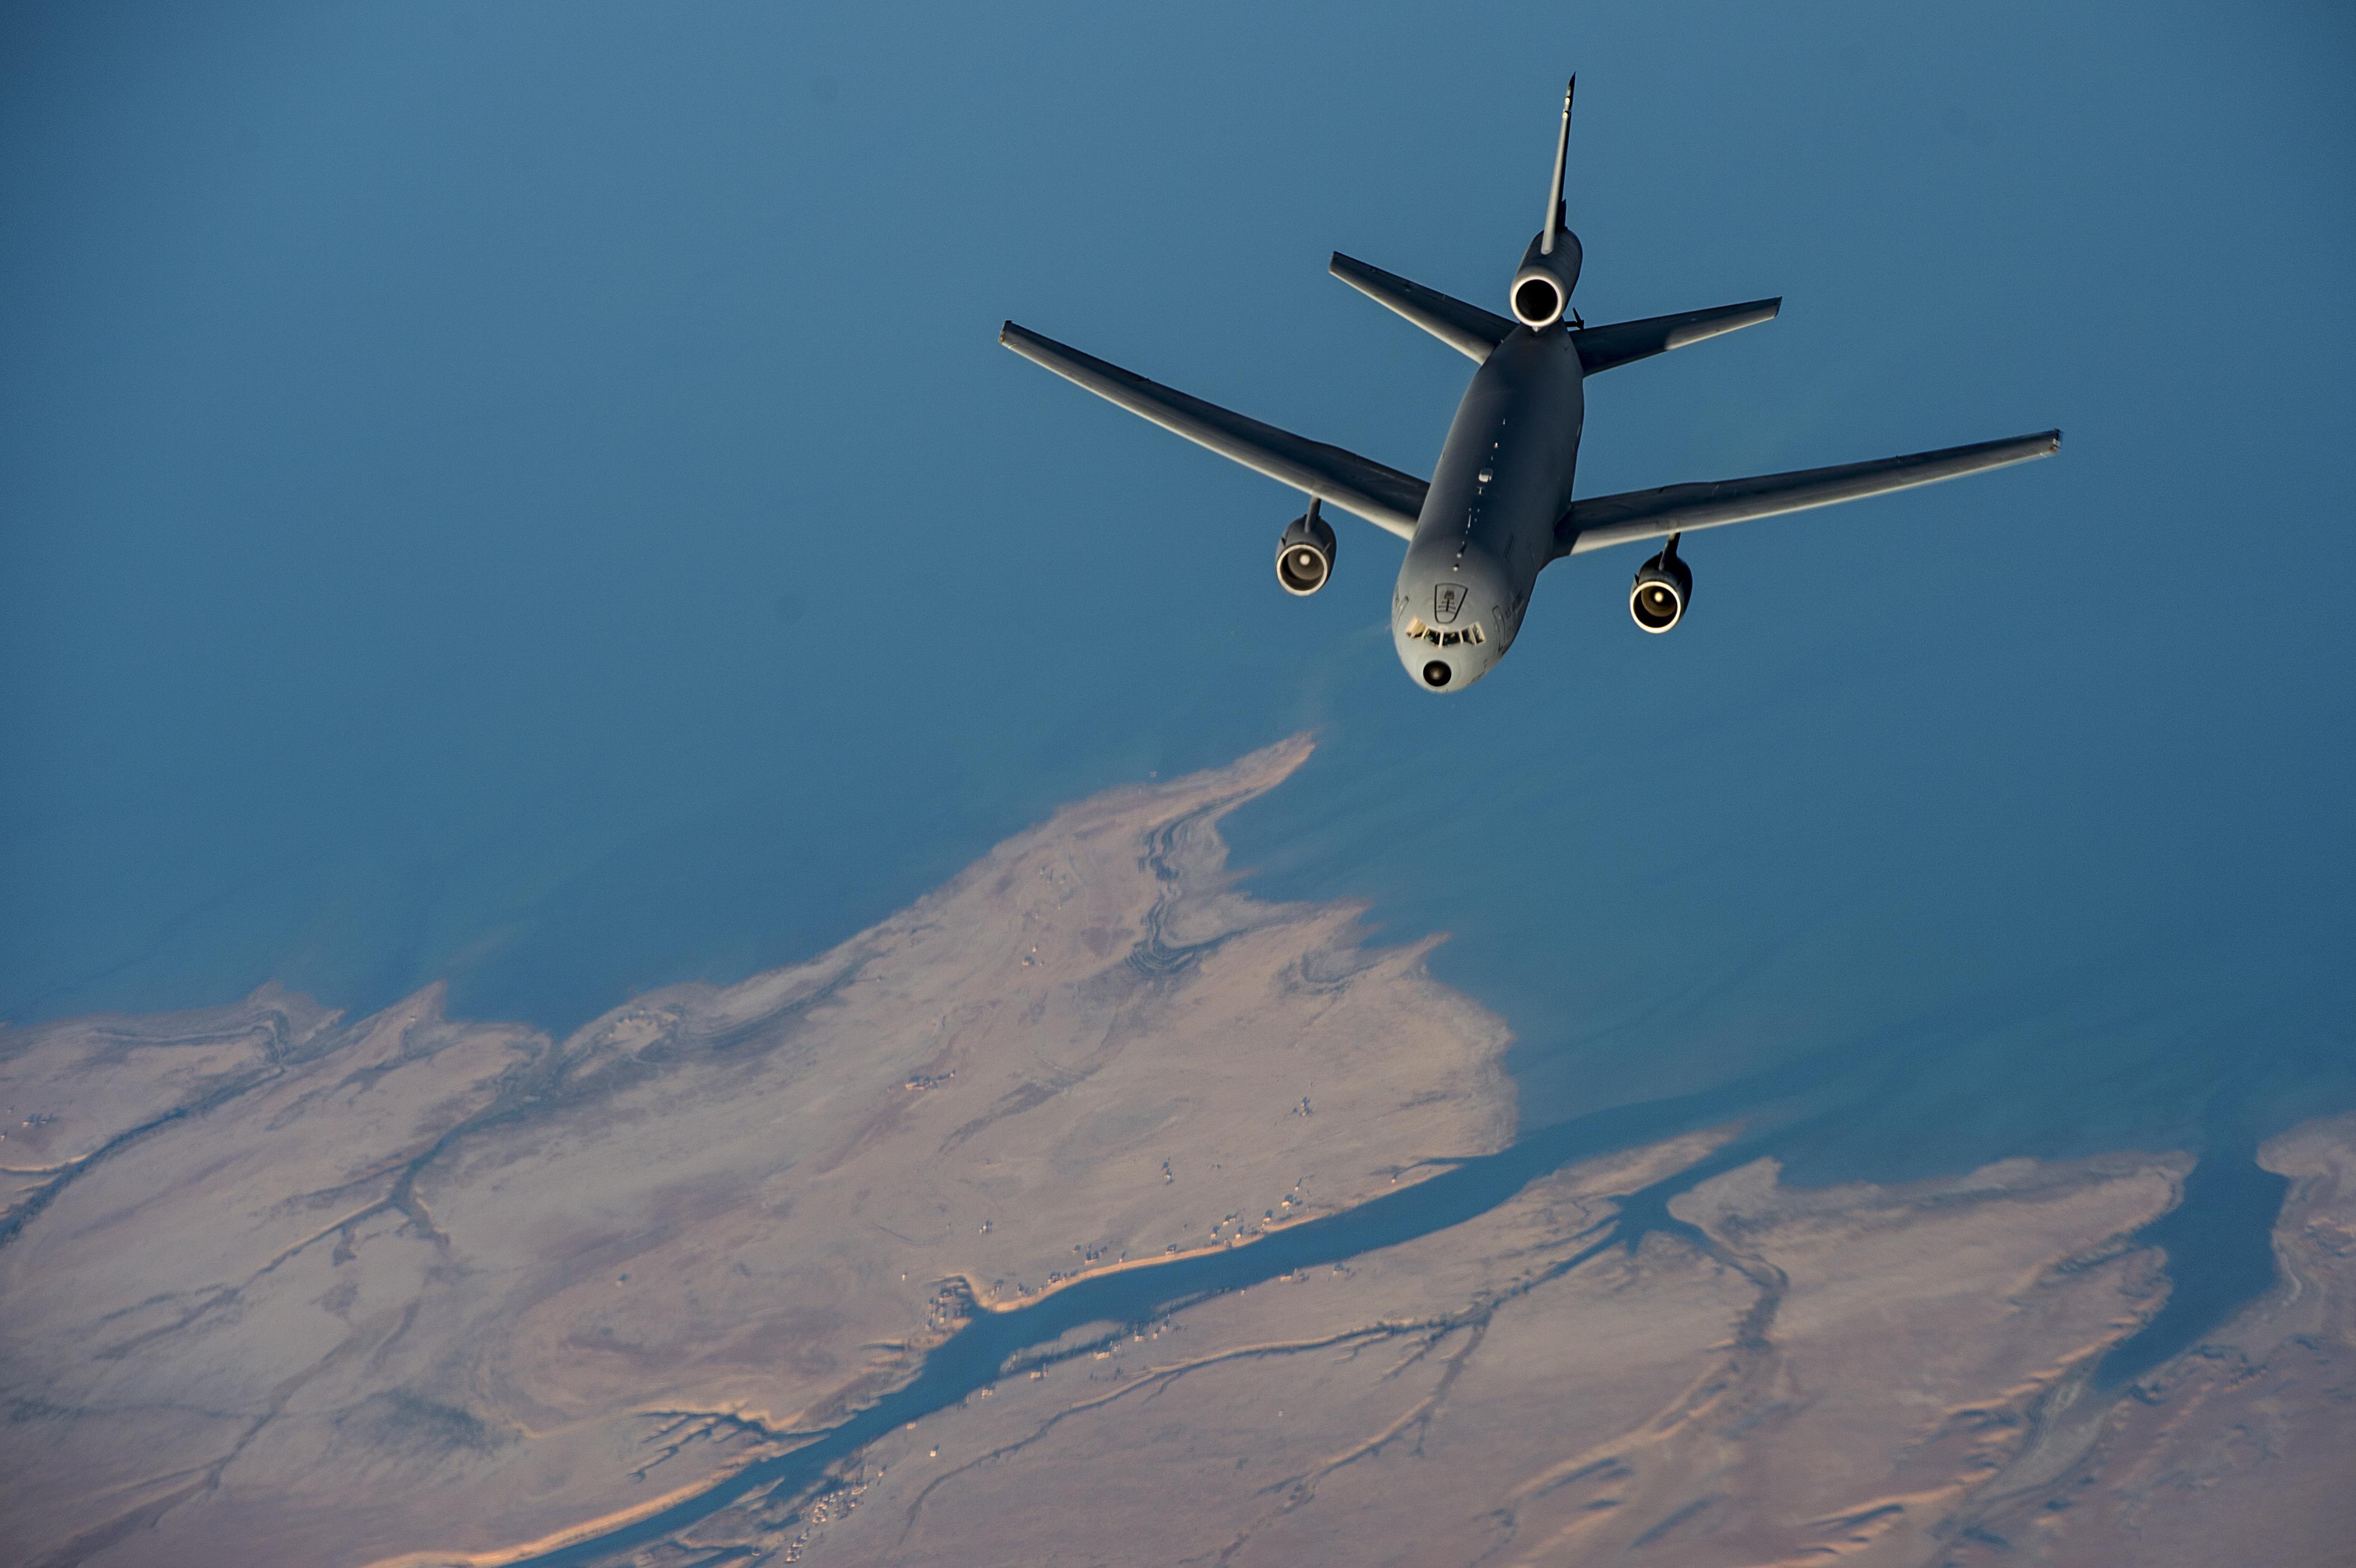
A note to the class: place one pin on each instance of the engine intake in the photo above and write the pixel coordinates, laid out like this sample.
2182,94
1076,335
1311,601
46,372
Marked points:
1543,286
1663,588
1304,556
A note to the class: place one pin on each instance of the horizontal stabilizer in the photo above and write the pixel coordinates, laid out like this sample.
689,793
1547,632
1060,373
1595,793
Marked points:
1637,514
1467,328
1384,496
1601,348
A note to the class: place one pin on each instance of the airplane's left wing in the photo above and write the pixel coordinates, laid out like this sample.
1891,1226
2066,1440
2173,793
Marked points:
1384,496
1606,520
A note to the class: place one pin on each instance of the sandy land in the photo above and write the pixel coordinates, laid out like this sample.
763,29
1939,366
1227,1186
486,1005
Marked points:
2243,1450
283,1287
1872,1377
338,1290
1807,1376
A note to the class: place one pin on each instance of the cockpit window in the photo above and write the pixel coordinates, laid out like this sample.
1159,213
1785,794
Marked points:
1418,631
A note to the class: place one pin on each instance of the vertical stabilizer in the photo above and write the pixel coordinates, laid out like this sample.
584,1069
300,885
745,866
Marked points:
1561,154
1541,291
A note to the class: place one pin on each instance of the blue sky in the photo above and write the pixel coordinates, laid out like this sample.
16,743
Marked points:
530,495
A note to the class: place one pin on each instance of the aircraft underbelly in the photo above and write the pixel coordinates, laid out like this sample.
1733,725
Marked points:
1504,476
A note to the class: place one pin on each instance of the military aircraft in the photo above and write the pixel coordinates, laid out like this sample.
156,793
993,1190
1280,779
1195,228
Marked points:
1499,508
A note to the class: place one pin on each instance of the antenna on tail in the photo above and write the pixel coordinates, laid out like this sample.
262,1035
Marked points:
1561,152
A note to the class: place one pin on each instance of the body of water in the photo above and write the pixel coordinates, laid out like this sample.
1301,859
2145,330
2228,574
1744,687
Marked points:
533,499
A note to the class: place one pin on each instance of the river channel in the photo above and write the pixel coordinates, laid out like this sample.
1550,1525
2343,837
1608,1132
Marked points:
2217,1238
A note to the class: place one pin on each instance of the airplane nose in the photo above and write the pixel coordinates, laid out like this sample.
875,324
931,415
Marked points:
1437,674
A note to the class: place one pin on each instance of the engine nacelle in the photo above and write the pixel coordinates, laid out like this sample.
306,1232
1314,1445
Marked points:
1304,556
1663,588
1542,287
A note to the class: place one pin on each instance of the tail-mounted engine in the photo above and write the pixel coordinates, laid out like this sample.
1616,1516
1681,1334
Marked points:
1663,588
1304,556
1542,288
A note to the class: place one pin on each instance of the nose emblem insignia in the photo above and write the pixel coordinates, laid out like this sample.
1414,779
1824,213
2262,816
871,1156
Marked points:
1446,599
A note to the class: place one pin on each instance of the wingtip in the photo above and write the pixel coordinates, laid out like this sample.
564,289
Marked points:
2053,441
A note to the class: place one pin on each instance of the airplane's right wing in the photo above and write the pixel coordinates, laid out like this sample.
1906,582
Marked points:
1384,496
1606,520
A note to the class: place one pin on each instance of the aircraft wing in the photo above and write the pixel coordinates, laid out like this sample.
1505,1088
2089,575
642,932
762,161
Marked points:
1606,520
1384,496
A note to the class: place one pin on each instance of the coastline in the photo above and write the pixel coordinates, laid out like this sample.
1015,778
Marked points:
735,1240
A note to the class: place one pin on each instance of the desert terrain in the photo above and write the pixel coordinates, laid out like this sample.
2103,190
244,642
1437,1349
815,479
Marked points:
286,1287
1866,1376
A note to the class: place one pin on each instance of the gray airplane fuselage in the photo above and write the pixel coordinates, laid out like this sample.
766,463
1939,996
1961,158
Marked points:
1488,523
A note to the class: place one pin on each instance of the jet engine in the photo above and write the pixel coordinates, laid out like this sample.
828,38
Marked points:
1304,556
1547,275
1663,588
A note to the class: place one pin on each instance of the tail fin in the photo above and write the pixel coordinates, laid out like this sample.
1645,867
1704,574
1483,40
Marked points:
1554,214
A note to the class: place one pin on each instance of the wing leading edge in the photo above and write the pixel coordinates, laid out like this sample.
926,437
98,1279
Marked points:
1606,520
1384,496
